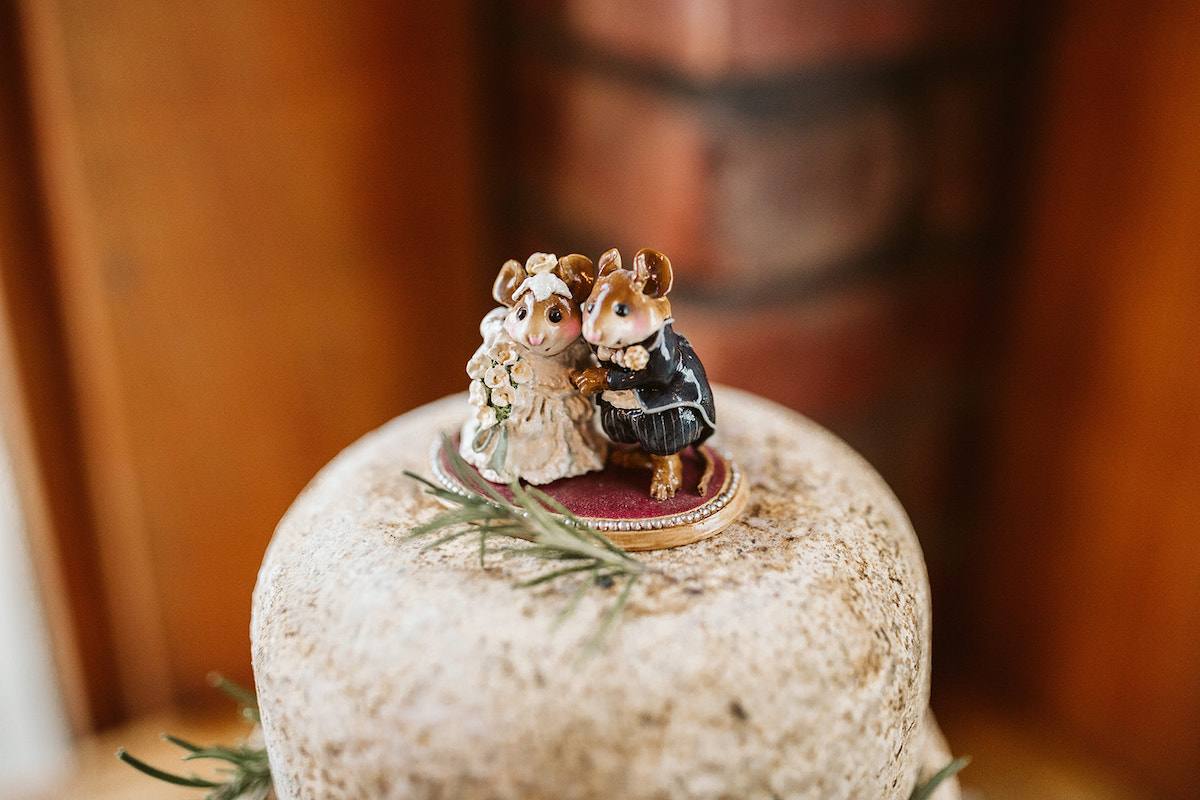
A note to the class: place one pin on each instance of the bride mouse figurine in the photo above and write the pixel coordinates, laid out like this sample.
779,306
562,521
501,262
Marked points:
530,422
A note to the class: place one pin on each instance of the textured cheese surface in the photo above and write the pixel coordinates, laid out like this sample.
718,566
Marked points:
788,657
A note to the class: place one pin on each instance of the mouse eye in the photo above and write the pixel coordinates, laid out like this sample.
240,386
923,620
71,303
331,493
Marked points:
522,313
590,307
555,315
621,310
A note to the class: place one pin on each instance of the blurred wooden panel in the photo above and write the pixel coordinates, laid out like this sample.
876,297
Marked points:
266,240
38,397
1094,611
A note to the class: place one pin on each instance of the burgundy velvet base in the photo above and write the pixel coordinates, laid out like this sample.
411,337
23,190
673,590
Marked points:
624,494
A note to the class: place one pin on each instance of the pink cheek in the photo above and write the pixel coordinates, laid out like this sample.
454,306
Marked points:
635,328
563,334
513,328
570,329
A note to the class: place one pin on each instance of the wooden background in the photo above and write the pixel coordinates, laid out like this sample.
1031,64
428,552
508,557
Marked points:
234,237
1091,546
242,235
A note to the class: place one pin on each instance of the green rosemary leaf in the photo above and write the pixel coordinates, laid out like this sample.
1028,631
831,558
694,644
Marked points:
554,531
608,545
573,603
558,573
583,528
175,740
546,552
449,537
472,501
466,475
241,695
926,790
247,771
551,533
554,505
576,526
605,577
510,530
192,781
237,756
455,497
434,488
610,618
538,514
451,517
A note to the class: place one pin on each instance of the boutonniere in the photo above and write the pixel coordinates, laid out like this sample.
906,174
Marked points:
635,357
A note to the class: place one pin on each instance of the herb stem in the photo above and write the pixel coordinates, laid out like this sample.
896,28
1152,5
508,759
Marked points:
551,533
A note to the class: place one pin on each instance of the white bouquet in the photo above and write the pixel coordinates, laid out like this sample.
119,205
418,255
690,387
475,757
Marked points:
498,375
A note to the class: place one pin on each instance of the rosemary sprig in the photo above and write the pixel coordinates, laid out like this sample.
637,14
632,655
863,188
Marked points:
925,790
249,772
239,694
550,532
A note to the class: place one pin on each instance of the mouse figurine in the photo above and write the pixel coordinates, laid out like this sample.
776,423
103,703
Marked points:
530,422
652,388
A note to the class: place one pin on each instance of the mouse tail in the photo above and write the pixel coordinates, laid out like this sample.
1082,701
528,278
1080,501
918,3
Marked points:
709,468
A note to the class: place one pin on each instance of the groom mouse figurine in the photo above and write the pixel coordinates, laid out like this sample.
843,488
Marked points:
653,390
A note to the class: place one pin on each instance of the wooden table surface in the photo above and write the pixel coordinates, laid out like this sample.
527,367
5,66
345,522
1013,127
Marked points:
98,775
1010,759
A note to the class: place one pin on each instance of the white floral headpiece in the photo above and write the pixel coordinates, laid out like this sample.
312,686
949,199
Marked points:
541,281
538,263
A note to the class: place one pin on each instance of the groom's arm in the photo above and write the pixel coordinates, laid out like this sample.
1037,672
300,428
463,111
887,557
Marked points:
658,372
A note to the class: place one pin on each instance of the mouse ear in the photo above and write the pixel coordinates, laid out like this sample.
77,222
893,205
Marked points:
510,277
654,269
576,272
609,262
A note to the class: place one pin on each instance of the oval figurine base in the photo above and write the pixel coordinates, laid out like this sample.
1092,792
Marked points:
616,501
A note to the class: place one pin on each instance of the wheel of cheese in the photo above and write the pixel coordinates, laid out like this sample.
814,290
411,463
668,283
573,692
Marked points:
786,657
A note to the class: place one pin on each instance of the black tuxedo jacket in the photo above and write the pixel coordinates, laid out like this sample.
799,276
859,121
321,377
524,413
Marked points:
673,378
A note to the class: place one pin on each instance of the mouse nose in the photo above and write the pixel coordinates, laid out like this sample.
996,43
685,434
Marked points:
535,339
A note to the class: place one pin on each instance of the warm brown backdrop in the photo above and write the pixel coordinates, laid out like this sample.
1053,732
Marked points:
1092,548
234,237
252,232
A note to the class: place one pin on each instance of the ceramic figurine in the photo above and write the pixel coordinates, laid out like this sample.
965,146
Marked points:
530,423
652,387
567,342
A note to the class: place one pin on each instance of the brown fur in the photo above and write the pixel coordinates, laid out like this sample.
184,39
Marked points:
574,269
528,318
576,272
507,281
643,289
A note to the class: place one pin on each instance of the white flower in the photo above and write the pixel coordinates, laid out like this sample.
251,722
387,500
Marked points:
477,394
506,353
478,364
540,262
495,376
502,397
521,372
636,357
486,417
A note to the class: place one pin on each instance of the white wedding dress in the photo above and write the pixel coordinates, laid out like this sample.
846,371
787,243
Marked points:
551,430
